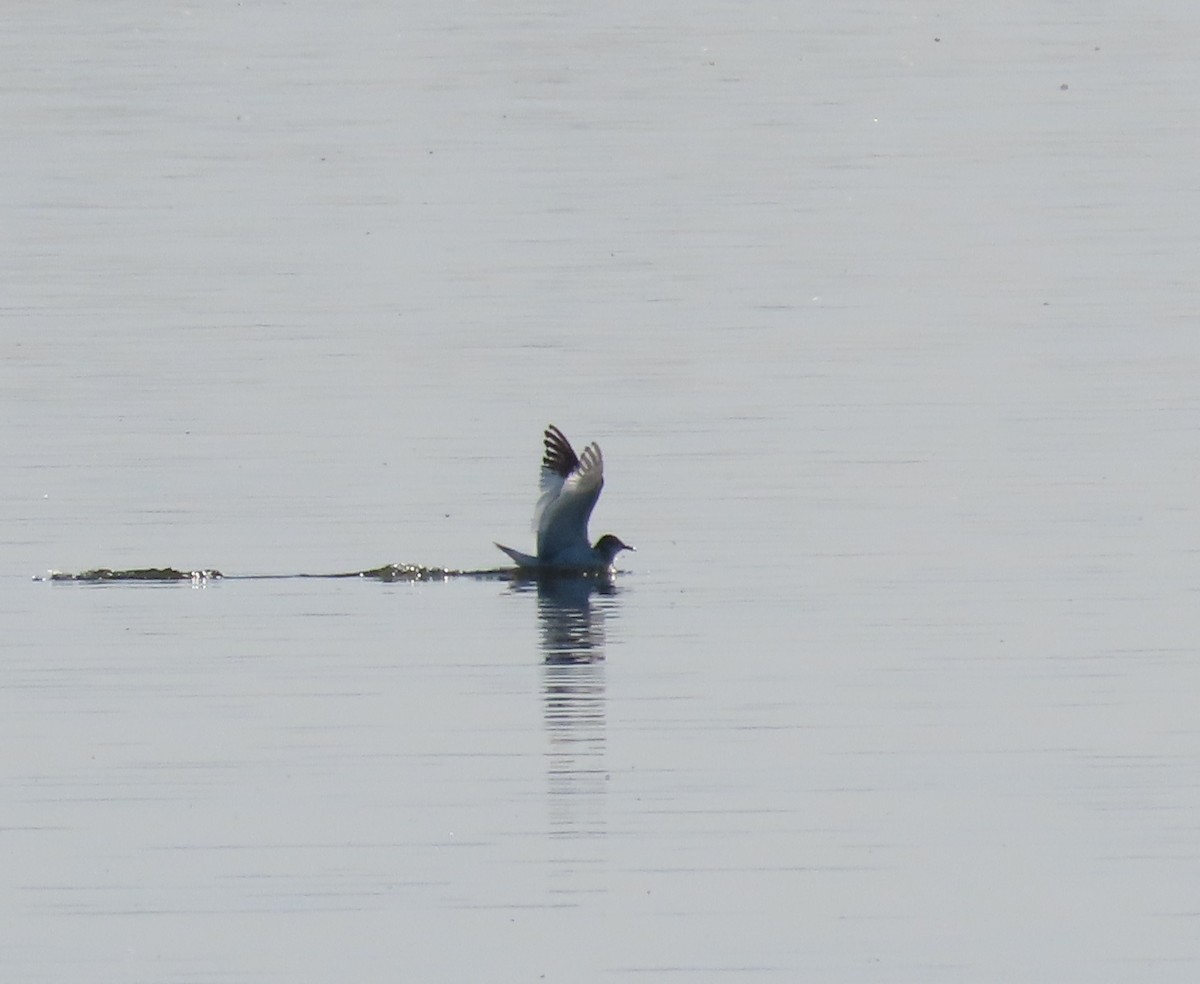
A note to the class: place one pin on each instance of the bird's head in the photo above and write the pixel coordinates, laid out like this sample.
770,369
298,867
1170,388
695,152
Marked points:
608,546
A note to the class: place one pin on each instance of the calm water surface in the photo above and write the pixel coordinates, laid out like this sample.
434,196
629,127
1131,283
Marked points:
885,321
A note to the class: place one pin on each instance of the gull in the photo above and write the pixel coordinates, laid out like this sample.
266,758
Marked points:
569,484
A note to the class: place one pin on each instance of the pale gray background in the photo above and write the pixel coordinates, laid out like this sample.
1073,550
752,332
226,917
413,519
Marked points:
885,317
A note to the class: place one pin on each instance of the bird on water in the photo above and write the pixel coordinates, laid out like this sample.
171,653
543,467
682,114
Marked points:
569,484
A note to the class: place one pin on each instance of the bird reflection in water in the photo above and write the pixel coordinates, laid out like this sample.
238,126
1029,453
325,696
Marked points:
572,610
572,613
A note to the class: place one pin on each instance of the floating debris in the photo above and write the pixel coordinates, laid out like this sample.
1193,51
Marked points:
139,574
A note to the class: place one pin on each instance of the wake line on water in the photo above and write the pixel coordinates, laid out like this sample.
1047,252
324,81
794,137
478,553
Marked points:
389,572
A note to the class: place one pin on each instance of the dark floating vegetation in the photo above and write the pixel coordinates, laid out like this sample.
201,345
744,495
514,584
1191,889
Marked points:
388,572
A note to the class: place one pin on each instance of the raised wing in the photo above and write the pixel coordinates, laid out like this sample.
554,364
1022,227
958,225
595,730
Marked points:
558,461
571,485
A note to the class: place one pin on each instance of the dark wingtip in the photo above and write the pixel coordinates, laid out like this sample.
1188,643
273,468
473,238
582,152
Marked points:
560,457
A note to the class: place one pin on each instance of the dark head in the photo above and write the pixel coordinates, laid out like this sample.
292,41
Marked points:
608,546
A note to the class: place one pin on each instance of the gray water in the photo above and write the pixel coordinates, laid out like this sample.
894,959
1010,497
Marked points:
885,318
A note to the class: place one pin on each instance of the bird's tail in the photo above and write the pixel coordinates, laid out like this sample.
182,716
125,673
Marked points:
520,559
